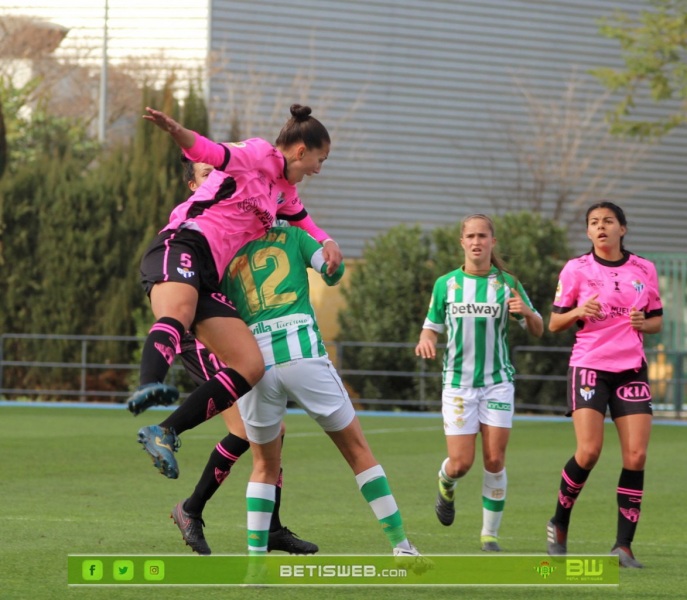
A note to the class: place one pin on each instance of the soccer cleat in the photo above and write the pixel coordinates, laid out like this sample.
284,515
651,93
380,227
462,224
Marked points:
556,539
444,506
410,558
191,529
626,558
490,543
161,443
151,394
286,540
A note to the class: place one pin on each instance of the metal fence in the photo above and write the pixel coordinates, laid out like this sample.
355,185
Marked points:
666,369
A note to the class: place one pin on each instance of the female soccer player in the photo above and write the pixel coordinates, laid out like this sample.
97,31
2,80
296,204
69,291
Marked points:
269,280
202,366
612,296
253,181
473,305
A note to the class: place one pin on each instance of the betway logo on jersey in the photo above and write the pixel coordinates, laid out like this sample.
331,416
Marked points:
475,309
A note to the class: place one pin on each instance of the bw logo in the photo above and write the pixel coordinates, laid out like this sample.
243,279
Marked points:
588,567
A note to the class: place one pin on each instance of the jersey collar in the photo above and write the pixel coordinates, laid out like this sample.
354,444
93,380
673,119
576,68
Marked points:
612,263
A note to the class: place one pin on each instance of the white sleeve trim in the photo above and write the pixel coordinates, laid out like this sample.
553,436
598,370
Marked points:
438,327
317,260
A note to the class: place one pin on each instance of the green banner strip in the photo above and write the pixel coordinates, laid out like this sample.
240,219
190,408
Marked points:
217,570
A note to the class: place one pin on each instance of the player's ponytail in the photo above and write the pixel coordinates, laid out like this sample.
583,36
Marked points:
302,127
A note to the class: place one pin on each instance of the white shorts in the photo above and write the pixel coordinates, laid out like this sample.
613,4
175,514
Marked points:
464,409
312,383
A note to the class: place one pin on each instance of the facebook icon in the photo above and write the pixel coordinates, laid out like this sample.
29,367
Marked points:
92,570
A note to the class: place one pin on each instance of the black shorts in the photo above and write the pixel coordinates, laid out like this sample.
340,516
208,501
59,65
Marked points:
184,256
624,393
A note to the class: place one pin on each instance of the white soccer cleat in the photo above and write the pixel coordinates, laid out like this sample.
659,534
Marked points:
411,559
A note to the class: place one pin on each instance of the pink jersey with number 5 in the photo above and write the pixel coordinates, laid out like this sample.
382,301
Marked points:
241,198
609,343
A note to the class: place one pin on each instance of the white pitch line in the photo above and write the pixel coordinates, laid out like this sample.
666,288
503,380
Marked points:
305,434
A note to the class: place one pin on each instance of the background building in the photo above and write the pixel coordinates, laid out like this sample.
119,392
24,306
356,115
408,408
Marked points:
438,109
426,102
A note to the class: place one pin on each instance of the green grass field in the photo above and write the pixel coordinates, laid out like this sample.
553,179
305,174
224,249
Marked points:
74,481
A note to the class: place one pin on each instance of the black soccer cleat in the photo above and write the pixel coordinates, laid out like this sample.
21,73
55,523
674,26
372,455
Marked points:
191,528
444,506
556,539
626,558
286,540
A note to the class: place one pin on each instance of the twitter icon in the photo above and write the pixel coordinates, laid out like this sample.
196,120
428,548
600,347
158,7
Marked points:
123,570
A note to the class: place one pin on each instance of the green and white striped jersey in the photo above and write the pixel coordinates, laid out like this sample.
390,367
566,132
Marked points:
268,283
473,312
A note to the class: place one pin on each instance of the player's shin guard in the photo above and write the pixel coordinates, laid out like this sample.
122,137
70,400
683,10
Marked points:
493,501
219,464
260,505
159,350
210,399
573,479
374,486
629,494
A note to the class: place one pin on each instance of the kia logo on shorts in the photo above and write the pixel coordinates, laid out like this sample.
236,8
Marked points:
637,391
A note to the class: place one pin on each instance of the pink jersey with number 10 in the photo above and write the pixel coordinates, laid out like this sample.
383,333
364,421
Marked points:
241,198
609,343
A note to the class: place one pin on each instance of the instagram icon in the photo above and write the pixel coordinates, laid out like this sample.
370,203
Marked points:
154,570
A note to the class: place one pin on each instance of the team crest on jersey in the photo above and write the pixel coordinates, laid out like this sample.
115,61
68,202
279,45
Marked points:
587,393
280,198
496,284
637,285
238,144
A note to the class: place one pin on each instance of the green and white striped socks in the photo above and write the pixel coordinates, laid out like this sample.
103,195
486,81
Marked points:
374,486
260,505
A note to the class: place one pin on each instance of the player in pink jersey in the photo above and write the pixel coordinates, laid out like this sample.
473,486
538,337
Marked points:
253,181
202,366
612,296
